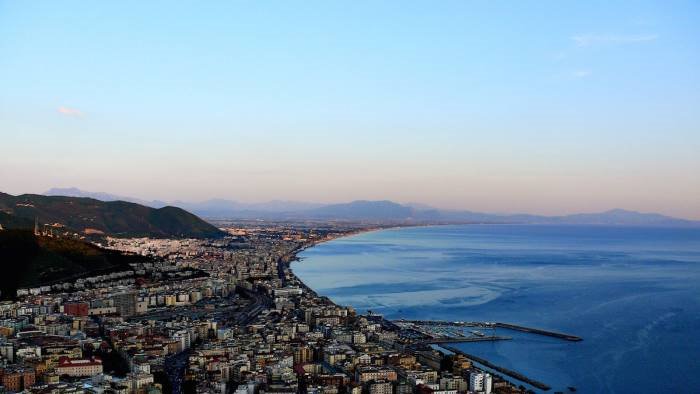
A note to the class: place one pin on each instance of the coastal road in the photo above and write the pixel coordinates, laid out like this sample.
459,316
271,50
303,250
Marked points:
175,369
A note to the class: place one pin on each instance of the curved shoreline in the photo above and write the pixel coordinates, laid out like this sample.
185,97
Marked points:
515,376
293,256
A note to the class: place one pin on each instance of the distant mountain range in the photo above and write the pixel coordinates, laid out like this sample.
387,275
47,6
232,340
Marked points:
385,211
94,217
211,208
391,211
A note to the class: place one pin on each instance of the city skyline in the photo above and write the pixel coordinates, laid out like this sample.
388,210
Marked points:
547,109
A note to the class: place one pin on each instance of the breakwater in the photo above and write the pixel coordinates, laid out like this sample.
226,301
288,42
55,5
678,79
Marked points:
538,331
438,341
505,371
530,330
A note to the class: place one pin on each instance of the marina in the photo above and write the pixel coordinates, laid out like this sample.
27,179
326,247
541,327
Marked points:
437,331
444,333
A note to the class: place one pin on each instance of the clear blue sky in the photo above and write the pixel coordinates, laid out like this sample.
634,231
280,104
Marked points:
512,106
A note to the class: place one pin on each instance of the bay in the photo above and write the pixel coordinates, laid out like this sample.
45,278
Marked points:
632,293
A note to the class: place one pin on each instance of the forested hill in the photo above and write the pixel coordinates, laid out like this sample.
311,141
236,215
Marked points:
27,260
114,218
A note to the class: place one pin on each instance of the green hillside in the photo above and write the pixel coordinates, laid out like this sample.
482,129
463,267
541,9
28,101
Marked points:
27,260
90,216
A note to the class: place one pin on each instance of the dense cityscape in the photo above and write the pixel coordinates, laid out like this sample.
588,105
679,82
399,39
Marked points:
222,316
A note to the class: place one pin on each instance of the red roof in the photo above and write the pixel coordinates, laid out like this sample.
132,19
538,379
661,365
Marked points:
82,362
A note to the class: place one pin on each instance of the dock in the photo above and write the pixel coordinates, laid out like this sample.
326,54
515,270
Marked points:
439,341
538,331
443,333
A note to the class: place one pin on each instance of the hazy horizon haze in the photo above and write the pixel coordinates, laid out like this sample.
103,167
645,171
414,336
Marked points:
545,108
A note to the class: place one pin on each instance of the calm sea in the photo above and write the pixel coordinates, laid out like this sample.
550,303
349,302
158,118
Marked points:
633,294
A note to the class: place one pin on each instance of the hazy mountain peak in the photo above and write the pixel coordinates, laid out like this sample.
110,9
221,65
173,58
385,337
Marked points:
75,192
382,210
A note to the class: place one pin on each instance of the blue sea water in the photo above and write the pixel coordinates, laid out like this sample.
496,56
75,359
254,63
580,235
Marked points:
633,294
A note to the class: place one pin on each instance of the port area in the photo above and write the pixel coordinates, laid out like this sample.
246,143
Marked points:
429,332
443,333
505,371
437,331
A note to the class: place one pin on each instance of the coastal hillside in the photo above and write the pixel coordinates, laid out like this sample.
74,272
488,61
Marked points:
27,260
8,221
88,216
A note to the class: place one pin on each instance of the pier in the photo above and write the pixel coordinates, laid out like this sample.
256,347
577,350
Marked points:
490,325
443,333
505,371
439,341
554,334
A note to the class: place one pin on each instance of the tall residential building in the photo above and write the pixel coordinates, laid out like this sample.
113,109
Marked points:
480,382
125,303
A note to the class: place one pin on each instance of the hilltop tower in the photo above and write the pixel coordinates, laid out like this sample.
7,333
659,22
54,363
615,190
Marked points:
36,225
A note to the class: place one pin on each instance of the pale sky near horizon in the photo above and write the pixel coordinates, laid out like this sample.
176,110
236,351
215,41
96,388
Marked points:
543,107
